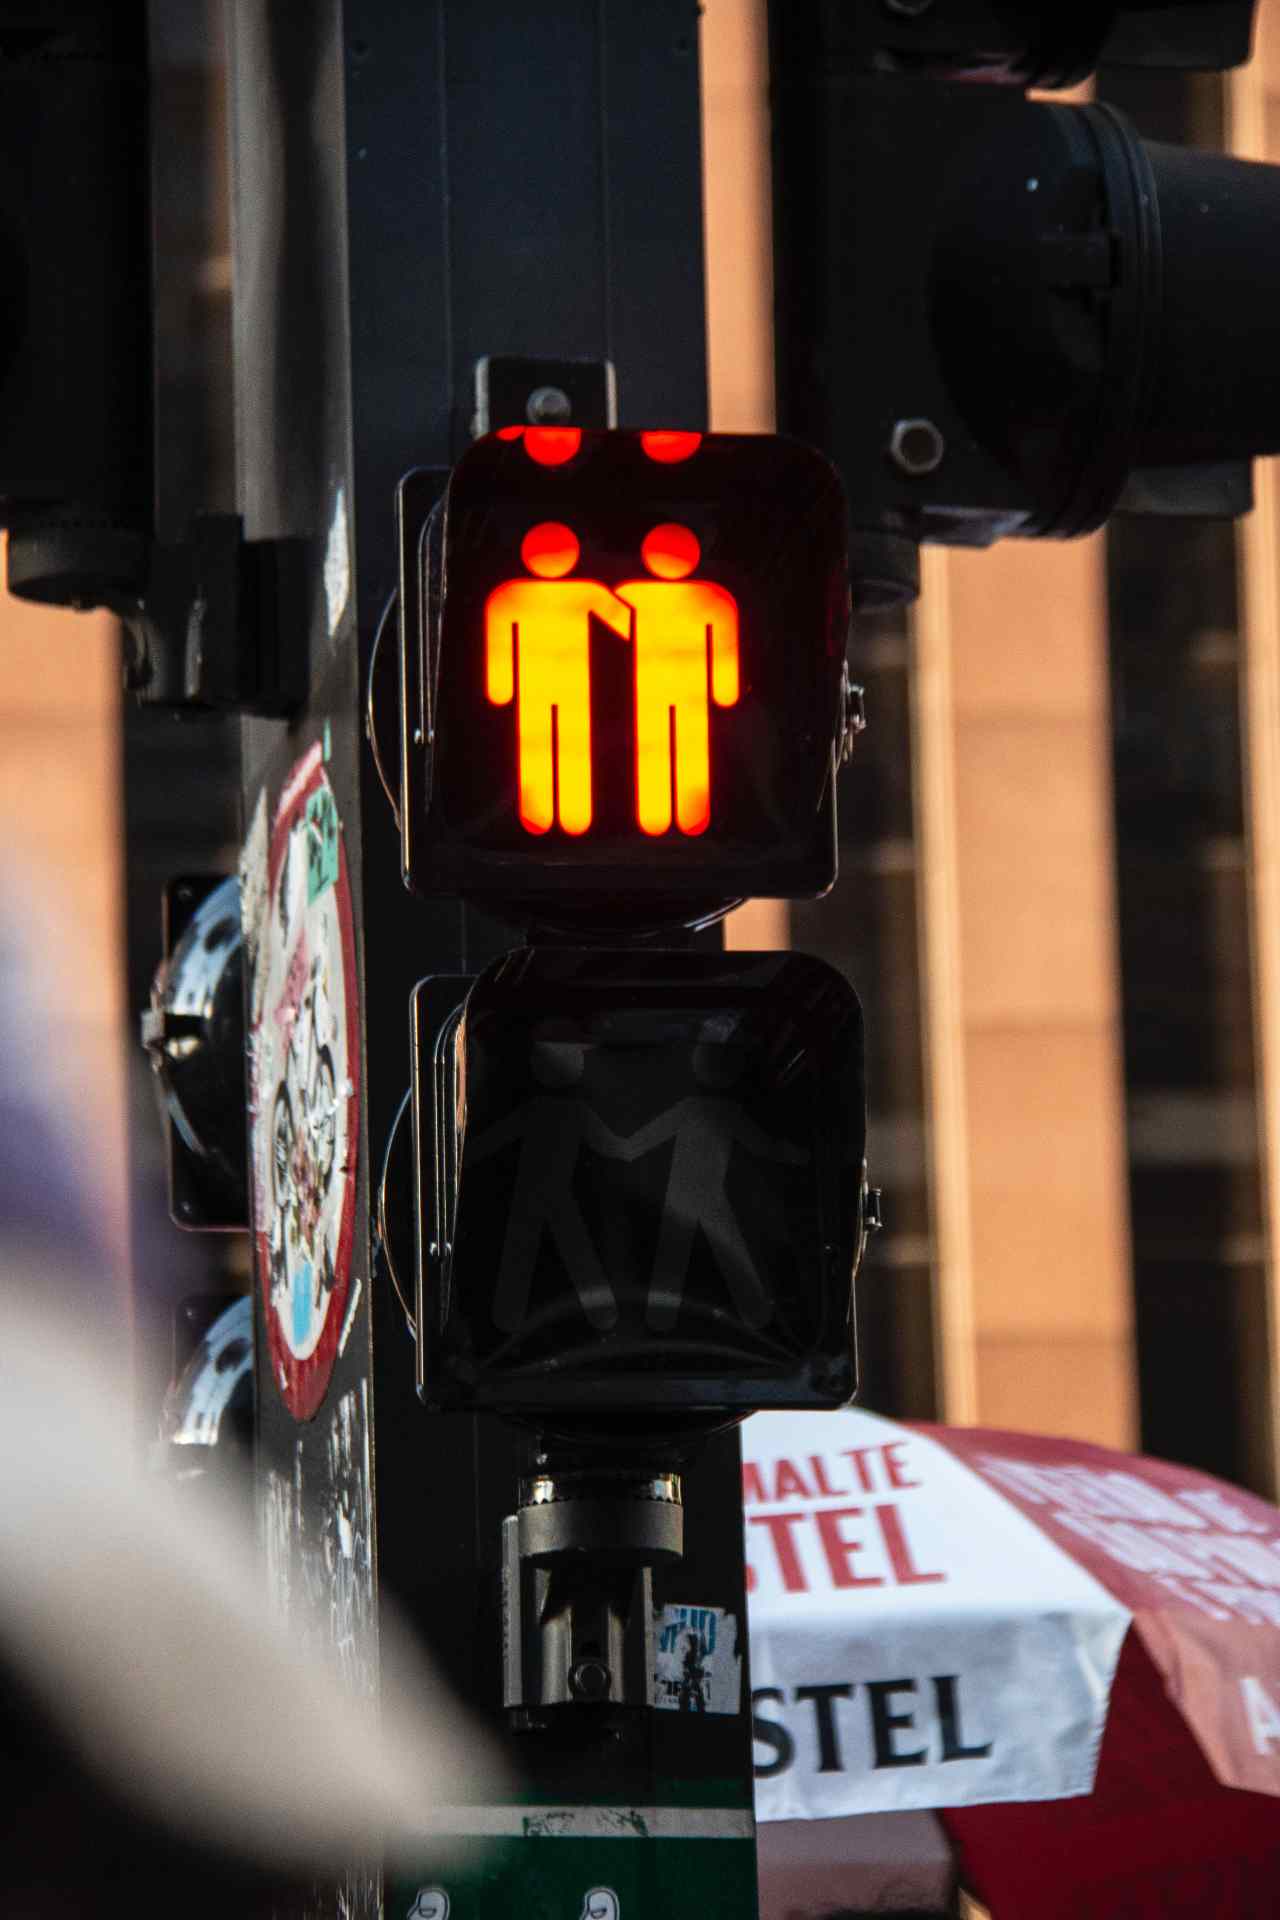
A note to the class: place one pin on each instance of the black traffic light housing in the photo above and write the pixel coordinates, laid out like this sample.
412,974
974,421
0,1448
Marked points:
75,321
640,1188
763,519
1007,316
638,1195
636,1176
212,622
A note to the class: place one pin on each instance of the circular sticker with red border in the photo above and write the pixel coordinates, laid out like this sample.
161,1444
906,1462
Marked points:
304,1029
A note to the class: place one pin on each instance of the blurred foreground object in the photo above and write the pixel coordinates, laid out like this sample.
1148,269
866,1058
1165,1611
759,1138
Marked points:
149,1635
953,1617
135,1627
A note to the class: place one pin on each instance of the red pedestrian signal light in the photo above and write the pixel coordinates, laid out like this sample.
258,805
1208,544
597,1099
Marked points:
622,666
539,631
537,636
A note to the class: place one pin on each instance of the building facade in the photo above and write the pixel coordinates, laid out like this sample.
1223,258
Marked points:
1060,876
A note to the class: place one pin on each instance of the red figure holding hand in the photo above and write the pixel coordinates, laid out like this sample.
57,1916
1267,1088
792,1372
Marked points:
538,650
682,625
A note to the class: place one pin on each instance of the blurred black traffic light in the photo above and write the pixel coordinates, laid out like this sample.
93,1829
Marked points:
641,1193
210,621
1003,316
75,319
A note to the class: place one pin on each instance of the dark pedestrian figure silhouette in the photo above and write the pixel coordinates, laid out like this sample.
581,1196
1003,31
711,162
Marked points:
552,1129
705,1130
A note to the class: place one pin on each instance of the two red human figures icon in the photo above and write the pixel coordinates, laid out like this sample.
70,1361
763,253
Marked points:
538,652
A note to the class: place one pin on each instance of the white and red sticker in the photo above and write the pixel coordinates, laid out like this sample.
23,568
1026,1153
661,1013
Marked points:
304,1036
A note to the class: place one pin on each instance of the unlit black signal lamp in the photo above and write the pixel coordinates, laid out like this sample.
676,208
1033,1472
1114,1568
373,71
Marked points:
75,318
211,622
1012,317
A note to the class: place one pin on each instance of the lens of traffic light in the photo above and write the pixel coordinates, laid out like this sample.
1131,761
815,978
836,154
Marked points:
1212,385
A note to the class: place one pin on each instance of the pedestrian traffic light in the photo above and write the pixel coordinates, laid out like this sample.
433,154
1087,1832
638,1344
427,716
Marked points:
1005,316
640,1185
622,673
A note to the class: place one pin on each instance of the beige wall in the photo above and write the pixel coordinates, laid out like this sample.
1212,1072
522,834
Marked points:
737,212
60,819
739,254
1033,1288
1019,939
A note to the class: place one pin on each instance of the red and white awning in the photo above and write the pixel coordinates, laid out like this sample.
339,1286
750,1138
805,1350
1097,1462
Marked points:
937,1614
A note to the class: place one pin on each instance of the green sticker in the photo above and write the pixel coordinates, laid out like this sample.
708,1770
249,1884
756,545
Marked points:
548,1873
322,843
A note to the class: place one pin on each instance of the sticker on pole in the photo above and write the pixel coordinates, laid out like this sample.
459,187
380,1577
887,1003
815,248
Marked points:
697,1666
303,1035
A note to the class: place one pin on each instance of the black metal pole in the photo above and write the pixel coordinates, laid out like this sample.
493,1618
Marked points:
417,191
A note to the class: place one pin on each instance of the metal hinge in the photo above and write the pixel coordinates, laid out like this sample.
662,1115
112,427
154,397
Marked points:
853,712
